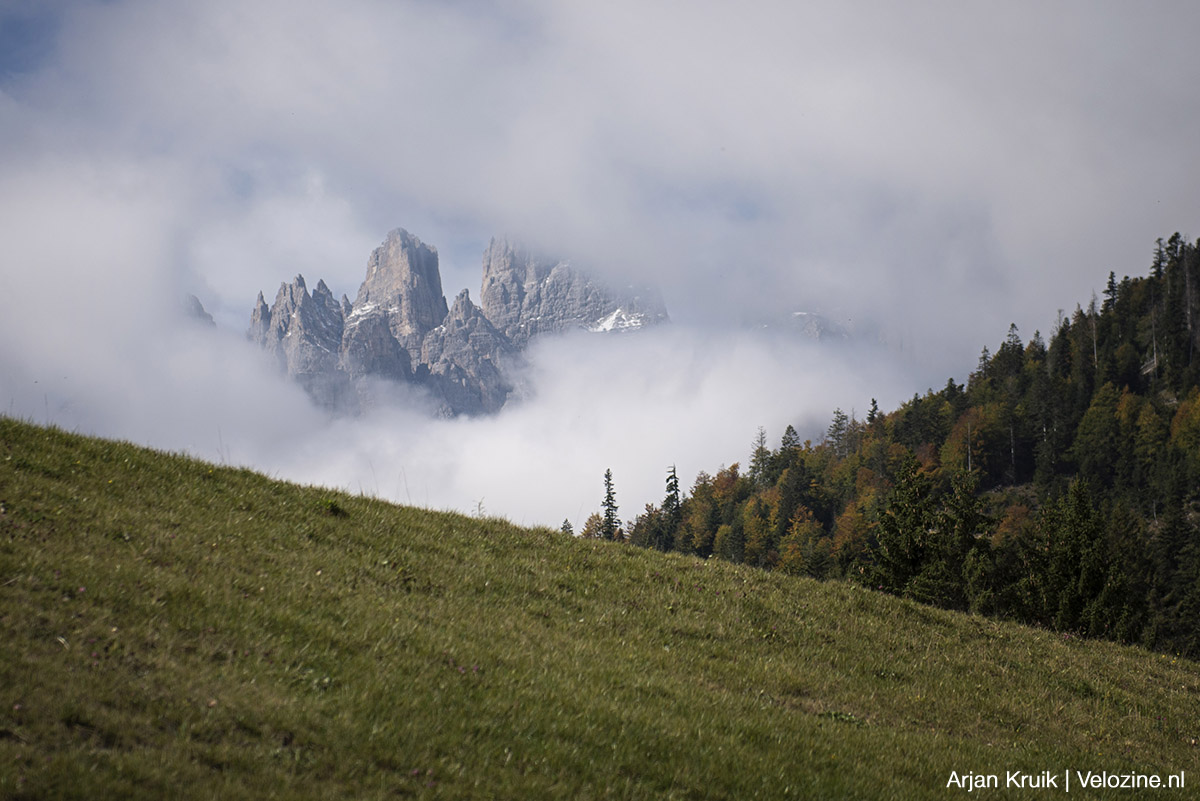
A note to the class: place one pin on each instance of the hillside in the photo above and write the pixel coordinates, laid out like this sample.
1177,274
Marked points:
1059,487
177,629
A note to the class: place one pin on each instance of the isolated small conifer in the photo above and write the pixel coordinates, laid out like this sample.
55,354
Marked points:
611,522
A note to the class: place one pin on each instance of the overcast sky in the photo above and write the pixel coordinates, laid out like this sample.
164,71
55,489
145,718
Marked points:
927,172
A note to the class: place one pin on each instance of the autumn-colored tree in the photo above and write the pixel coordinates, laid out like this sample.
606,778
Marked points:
593,527
729,543
701,517
1184,438
760,543
851,546
806,550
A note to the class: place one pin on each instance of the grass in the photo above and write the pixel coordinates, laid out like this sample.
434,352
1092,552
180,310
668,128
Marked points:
174,629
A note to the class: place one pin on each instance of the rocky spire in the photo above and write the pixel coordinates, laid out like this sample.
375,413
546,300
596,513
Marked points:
260,320
304,332
403,282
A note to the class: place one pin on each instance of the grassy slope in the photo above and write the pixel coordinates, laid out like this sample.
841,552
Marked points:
174,629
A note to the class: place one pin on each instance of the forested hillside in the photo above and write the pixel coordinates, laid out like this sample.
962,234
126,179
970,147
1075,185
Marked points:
1059,486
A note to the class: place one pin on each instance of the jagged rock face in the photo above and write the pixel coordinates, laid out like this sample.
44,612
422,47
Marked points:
304,333
403,281
525,296
368,348
400,330
465,360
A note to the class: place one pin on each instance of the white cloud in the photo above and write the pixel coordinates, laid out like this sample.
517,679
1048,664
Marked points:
932,171
632,403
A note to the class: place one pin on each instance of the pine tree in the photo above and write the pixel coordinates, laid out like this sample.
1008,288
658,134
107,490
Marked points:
904,528
760,460
611,523
672,512
1077,560
958,541
1160,259
1110,293
790,439
1096,448
838,434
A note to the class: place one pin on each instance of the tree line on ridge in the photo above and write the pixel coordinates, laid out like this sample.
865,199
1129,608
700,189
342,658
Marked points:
1060,486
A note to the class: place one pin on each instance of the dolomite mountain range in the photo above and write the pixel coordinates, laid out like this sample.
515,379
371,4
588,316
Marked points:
399,336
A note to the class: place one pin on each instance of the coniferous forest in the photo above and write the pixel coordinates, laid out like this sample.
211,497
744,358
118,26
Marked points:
1060,486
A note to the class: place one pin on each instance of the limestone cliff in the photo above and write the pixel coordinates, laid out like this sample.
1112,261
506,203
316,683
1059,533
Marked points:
399,328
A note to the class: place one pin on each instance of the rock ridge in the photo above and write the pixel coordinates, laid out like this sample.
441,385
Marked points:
526,295
400,330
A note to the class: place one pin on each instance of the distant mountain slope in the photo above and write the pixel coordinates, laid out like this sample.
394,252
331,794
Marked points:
177,629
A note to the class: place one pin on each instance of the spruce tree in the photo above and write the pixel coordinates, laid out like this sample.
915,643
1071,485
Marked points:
612,523
672,512
1110,293
838,434
904,527
760,460
790,439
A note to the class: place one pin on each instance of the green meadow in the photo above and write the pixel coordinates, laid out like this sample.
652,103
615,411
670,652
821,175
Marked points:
174,629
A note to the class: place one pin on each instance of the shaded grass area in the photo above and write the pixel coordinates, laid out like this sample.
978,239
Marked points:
175,629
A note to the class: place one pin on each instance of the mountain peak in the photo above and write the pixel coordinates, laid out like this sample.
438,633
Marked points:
399,327
403,281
